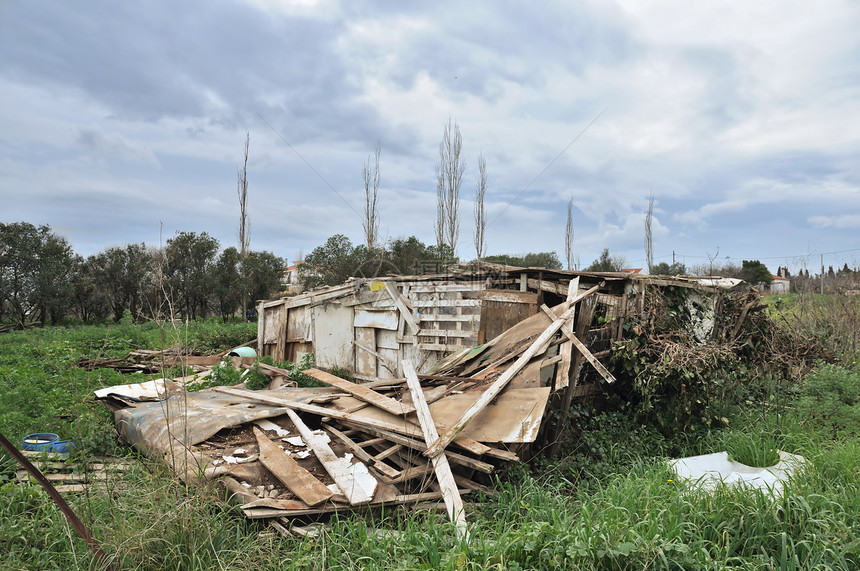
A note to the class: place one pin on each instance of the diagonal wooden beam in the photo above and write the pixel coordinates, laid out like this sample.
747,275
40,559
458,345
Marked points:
580,346
494,389
361,392
336,467
450,494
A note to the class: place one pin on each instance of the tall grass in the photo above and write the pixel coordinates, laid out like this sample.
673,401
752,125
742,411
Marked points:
832,319
610,503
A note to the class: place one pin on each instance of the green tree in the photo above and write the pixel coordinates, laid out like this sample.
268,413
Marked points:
754,272
264,271
123,274
55,268
36,268
228,282
607,263
330,264
19,251
410,255
190,258
665,269
89,300
548,260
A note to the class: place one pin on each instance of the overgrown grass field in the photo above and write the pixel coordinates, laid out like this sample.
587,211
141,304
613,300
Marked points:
608,503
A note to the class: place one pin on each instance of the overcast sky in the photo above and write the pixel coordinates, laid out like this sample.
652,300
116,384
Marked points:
125,122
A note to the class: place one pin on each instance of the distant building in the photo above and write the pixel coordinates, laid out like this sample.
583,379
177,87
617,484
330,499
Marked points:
290,278
778,285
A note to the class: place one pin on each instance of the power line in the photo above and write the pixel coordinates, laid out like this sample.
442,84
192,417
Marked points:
807,255
310,166
546,168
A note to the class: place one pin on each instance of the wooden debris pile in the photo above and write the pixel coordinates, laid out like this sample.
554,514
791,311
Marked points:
293,452
154,362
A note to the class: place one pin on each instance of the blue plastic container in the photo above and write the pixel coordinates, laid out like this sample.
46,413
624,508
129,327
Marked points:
62,446
39,441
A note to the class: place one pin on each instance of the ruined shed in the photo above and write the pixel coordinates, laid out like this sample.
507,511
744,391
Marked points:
368,326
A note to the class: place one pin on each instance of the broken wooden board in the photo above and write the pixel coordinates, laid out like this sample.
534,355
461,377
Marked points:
405,310
374,462
339,469
361,392
580,346
494,389
301,482
450,495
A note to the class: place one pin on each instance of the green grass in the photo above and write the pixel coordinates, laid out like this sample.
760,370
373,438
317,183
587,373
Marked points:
609,503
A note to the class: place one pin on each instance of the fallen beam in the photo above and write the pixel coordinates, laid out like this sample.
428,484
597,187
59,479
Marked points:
450,495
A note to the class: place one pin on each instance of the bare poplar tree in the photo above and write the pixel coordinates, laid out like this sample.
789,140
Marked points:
649,243
370,174
439,227
449,175
480,211
244,225
568,235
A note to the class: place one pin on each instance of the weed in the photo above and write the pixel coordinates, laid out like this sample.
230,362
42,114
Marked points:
830,400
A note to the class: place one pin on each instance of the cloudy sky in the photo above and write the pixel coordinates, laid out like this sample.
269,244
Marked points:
125,122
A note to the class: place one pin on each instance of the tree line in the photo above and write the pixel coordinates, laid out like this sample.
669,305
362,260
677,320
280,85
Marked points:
42,279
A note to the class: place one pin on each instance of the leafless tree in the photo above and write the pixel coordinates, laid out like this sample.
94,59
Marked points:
439,227
244,225
568,235
370,174
480,211
449,175
649,243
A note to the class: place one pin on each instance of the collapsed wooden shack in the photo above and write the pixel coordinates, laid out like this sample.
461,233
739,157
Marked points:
453,377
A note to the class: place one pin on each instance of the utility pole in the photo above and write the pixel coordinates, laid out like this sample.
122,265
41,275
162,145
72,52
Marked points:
822,274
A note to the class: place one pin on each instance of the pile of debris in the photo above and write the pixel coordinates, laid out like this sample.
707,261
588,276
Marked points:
151,362
399,437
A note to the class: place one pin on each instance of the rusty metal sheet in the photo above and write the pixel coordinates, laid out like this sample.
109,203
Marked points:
191,418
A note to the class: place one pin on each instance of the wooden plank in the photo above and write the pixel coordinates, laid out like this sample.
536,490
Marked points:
509,296
450,494
494,389
586,314
453,457
446,303
405,310
446,333
384,361
365,363
336,467
378,319
445,347
443,317
361,421
580,346
361,392
300,482
562,377
360,453
447,288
